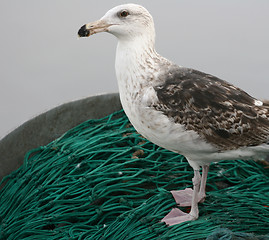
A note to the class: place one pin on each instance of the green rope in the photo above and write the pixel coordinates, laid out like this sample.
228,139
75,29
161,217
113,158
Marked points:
102,180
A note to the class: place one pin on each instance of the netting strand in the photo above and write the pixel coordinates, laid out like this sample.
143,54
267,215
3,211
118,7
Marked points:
102,180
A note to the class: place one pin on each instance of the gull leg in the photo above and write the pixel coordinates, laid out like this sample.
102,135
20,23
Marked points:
196,187
176,216
184,197
202,193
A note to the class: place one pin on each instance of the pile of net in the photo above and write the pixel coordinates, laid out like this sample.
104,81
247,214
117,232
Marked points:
102,180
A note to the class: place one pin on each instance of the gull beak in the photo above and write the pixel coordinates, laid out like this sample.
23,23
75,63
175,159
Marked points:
93,27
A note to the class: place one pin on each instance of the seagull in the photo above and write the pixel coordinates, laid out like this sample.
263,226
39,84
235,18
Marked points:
186,111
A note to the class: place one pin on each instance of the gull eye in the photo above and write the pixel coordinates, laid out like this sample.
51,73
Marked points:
124,13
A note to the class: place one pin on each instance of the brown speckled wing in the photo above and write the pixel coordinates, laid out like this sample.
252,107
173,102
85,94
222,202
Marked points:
220,113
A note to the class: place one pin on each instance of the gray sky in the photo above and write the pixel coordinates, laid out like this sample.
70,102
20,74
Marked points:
43,64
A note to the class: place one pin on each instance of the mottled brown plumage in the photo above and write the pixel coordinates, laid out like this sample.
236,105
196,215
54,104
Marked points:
219,112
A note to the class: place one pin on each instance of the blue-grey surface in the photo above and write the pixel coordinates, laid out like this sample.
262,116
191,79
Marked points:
43,64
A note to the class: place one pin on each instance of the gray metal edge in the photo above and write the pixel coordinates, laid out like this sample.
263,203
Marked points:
50,125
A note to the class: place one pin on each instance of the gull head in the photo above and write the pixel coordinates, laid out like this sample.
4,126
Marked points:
126,22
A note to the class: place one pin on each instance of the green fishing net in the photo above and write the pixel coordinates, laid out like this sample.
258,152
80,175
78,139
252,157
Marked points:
102,180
